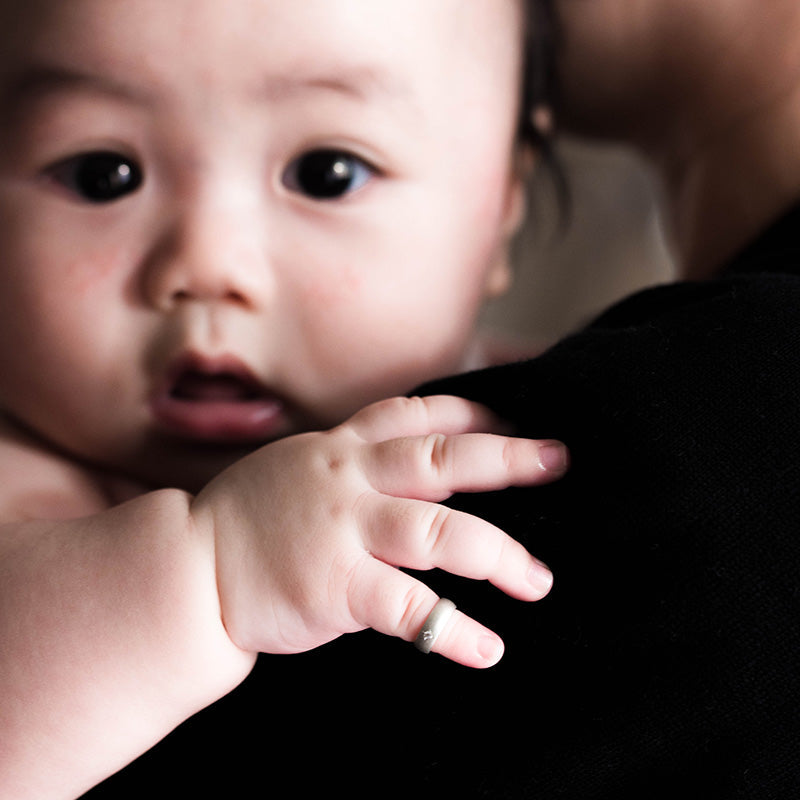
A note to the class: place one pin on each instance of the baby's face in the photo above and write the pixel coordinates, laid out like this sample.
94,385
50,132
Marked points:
222,222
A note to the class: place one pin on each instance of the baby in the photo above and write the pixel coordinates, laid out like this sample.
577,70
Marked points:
224,228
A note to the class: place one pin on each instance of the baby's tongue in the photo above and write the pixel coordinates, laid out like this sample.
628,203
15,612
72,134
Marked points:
201,388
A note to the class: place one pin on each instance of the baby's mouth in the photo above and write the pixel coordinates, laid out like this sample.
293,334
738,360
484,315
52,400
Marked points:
194,386
217,400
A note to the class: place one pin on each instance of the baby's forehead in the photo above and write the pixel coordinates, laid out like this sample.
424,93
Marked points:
405,24
365,44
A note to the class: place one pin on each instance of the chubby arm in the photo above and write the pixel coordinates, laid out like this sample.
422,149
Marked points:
118,625
111,636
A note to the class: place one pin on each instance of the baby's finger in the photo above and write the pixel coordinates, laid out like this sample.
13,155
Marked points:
418,416
396,604
421,535
436,466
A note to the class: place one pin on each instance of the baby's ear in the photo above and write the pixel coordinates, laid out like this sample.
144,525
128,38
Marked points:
526,157
500,274
516,203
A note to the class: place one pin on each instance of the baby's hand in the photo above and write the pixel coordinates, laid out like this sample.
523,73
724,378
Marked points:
310,530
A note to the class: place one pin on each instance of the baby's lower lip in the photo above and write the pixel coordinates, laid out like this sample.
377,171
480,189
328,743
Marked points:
217,416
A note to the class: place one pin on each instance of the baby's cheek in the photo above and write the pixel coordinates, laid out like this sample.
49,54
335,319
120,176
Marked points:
343,290
86,275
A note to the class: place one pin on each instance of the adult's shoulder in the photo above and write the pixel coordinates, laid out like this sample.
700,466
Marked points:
652,354
696,306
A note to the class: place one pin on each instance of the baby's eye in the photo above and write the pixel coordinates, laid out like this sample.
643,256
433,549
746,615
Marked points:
98,177
326,174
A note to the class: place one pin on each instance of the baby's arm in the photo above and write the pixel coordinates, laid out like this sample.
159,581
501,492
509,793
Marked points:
112,628
110,636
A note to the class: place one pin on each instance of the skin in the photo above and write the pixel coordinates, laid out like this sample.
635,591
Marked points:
174,498
215,257
709,91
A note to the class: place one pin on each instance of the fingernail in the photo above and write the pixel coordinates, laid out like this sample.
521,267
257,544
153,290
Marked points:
540,577
490,648
553,457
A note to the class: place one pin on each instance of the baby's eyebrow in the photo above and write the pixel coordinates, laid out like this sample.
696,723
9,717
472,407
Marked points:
36,81
362,82
367,86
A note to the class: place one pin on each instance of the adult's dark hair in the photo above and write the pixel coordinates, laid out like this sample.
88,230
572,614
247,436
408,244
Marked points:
540,91
539,82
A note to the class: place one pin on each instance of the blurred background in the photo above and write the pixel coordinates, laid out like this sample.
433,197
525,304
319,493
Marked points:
611,243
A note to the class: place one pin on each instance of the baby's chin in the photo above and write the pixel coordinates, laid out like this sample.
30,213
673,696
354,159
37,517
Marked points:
180,465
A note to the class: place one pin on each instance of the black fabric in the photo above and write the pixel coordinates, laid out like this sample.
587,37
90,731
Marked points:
663,664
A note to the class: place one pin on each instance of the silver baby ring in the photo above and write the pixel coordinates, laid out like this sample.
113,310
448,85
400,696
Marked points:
434,624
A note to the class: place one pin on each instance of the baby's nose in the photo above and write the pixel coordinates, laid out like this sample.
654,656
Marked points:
209,258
